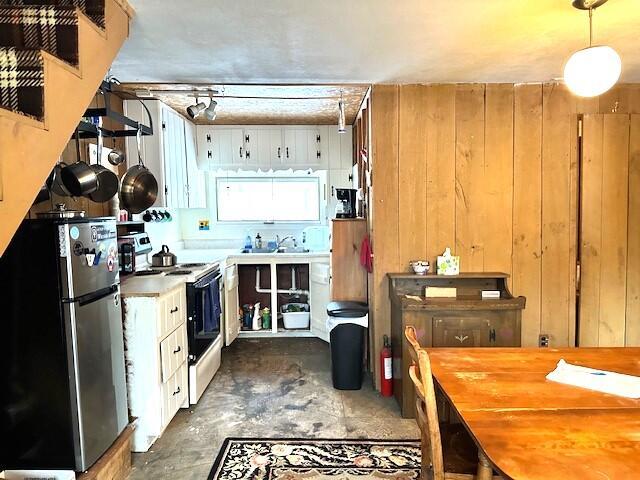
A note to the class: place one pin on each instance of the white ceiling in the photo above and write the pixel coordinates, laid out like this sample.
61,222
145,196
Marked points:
368,41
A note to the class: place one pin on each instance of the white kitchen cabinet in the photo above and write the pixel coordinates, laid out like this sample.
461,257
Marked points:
319,297
232,322
166,153
156,358
263,147
302,148
221,148
196,178
175,160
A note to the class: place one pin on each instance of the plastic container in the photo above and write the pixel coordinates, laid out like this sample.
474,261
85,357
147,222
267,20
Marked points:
347,323
295,320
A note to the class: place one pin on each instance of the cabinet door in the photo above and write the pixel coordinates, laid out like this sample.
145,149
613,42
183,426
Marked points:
302,147
262,147
195,178
175,164
319,298
231,305
223,148
461,332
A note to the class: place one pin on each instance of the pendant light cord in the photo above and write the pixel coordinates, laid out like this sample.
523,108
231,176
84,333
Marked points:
590,26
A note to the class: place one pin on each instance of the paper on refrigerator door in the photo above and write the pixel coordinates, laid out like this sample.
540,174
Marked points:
599,380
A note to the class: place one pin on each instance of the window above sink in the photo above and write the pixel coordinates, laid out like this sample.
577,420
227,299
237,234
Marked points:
269,199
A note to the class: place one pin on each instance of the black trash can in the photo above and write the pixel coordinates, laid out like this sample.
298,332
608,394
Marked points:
347,325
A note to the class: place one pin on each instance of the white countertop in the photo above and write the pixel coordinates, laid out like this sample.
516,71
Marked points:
156,285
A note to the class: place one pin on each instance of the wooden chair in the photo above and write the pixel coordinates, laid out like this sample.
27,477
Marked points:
433,459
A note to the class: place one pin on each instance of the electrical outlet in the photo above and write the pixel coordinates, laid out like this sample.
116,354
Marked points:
543,340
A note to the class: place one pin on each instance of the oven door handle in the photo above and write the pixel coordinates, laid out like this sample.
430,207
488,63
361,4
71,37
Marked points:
206,285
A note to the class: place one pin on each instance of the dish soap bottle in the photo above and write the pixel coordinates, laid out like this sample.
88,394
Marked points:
258,241
247,242
256,316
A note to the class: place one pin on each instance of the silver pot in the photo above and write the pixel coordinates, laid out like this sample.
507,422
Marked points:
164,258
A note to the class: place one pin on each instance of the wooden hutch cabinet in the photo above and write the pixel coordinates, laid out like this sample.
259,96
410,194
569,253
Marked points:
464,321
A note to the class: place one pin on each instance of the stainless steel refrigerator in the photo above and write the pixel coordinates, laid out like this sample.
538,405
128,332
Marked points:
63,398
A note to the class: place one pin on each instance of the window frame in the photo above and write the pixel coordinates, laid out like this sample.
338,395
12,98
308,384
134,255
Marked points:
273,179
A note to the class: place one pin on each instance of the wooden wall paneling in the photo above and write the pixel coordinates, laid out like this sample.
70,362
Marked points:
441,169
385,236
616,100
558,261
634,98
412,174
527,203
615,203
632,332
591,230
470,176
498,178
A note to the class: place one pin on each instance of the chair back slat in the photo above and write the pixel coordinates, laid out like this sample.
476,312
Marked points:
426,407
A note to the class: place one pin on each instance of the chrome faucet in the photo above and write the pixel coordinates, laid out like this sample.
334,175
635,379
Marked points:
280,242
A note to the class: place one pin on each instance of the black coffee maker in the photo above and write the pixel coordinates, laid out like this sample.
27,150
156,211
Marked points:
346,206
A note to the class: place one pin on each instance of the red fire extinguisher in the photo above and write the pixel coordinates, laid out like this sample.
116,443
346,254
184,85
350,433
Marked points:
386,369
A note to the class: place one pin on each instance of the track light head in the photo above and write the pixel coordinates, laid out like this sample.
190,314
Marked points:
194,110
210,111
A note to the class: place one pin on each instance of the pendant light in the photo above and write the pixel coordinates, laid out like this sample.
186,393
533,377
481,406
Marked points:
341,118
593,70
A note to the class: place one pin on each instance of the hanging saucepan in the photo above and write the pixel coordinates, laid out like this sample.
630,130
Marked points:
138,188
54,182
116,157
79,178
107,180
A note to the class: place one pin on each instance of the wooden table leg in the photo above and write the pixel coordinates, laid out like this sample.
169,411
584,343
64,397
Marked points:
485,472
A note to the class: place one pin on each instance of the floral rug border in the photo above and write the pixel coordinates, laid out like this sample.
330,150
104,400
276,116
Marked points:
338,454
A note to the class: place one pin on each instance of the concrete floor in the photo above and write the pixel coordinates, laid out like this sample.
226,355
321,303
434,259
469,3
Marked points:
269,388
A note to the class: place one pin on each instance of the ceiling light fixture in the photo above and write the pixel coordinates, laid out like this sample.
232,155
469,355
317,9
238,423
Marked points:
593,70
194,110
210,111
341,116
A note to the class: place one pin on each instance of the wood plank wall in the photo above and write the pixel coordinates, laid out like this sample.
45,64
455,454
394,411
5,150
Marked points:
491,171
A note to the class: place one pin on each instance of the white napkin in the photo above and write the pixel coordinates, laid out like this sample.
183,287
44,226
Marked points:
599,380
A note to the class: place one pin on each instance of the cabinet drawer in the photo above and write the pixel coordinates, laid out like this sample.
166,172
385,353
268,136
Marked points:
173,352
171,311
174,393
461,332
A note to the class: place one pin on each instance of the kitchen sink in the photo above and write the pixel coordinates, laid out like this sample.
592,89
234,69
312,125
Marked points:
258,250
292,250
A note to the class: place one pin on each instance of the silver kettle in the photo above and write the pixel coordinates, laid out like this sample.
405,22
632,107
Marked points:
164,258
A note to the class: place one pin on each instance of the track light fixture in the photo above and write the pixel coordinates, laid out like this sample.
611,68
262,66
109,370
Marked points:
341,116
593,70
194,110
210,111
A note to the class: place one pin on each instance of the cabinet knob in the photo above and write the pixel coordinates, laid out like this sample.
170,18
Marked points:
240,152
178,350
492,335
209,154
173,310
176,392
279,155
287,151
208,138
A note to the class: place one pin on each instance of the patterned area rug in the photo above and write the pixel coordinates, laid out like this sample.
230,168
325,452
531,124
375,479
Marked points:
289,459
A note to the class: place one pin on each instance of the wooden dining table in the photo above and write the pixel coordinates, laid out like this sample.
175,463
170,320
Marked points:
531,428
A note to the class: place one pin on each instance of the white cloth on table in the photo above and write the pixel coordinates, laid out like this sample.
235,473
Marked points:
600,380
